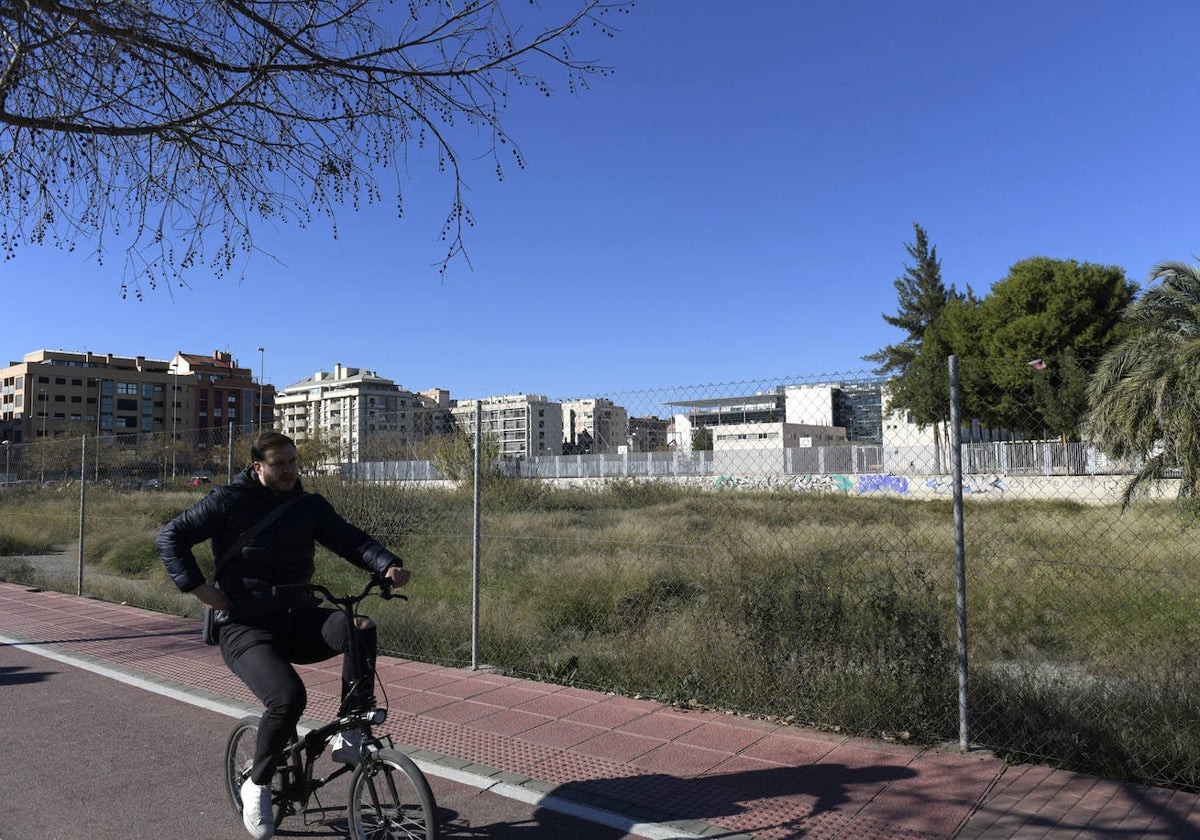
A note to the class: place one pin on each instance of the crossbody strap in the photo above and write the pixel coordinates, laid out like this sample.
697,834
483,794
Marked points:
252,532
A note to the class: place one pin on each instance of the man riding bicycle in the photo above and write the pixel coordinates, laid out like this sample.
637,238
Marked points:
265,633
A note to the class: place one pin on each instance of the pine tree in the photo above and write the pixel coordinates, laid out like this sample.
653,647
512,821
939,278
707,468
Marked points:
922,295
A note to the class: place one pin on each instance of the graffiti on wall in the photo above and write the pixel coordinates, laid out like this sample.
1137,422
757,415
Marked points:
977,484
800,483
881,483
863,484
818,483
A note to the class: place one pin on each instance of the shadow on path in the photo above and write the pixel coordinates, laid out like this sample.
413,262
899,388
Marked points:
810,791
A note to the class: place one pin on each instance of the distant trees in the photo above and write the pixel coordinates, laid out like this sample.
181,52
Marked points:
921,298
454,455
169,128
1061,313
1145,394
1065,313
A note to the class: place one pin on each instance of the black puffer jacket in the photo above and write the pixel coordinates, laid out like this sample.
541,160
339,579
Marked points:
282,553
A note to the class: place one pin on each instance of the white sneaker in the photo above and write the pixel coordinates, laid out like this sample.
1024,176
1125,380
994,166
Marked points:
346,746
256,809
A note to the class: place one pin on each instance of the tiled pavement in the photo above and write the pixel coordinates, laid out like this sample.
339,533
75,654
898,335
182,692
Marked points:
651,769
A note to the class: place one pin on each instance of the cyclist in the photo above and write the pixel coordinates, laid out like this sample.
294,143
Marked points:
265,633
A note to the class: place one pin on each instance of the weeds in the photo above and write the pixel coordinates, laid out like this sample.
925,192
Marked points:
817,609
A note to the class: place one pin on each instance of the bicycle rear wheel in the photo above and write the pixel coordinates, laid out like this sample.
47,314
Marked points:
390,798
239,758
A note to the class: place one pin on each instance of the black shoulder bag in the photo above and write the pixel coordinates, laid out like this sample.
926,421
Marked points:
213,620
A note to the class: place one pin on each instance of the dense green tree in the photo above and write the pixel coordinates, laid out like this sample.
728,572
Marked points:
1064,313
1145,395
924,388
1060,393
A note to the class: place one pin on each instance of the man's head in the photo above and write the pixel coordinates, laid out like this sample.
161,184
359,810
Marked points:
273,457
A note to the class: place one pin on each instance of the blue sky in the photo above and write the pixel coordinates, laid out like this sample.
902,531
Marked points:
732,204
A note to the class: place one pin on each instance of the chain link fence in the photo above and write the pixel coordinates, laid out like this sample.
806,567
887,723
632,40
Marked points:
785,548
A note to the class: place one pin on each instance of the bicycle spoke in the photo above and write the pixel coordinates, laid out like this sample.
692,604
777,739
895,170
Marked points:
390,798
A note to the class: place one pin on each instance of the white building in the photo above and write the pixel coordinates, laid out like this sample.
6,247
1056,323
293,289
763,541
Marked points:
346,408
760,448
522,424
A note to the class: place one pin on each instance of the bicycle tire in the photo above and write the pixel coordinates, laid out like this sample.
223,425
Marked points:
390,798
239,756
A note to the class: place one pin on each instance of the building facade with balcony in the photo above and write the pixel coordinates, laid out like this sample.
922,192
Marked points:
594,426
349,410
215,392
648,434
523,425
56,392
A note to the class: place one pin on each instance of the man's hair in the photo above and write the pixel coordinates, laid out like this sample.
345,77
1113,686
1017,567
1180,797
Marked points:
268,440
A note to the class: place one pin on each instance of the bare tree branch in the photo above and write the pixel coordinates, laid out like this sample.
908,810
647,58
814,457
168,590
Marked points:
169,128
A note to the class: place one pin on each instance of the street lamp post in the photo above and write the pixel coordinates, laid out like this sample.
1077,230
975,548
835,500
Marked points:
7,444
262,363
174,410
42,447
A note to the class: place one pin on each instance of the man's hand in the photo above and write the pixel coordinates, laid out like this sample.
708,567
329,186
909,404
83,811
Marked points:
210,596
397,576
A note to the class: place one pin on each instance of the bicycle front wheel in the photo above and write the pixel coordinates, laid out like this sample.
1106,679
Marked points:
390,798
239,758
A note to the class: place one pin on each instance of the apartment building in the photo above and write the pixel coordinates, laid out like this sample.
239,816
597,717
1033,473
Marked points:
55,392
213,392
648,434
594,426
348,409
523,424
436,418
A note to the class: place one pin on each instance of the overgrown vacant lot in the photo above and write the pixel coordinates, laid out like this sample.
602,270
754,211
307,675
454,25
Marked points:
824,610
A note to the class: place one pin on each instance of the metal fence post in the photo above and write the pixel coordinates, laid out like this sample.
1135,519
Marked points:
229,466
960,565
82,513
475,528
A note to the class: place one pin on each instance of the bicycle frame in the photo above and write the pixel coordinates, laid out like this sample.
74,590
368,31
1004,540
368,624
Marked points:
298,783
296,764
389,795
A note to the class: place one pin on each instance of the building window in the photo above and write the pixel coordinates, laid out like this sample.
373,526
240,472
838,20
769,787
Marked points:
127,388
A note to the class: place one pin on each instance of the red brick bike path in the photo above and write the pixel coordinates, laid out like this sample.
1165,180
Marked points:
655,770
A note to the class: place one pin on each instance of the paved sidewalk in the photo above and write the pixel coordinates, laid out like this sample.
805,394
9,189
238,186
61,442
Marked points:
646,768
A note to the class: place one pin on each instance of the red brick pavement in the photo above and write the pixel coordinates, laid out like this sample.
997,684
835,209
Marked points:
680,773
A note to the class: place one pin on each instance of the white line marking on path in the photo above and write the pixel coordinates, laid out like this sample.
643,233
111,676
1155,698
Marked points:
610,819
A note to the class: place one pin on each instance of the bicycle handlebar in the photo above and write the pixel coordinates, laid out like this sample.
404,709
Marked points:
381,583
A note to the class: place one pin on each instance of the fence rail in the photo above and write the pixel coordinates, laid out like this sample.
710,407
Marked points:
1040,458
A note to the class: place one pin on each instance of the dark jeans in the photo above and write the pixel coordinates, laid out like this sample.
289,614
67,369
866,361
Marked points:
262,657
